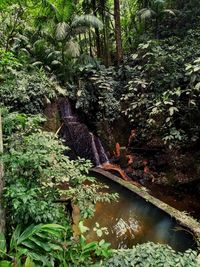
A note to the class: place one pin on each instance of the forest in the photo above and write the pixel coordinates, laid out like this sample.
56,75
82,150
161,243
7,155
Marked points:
99,133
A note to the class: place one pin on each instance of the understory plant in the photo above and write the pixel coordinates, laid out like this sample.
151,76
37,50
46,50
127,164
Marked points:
95,93
37,175
162,90
49,245
151,255
27,91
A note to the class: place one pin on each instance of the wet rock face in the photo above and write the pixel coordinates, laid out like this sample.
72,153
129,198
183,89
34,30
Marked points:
170,167
51,113
78,137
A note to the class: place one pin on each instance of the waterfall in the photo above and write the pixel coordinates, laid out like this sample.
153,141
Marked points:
95,151
78,138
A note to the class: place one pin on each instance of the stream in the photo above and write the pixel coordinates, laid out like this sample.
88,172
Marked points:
132,220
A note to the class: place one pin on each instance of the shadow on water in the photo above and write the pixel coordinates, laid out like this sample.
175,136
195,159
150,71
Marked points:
132,220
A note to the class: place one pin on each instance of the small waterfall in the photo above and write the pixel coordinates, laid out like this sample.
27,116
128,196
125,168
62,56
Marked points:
78,137
95,151
102,154
66,110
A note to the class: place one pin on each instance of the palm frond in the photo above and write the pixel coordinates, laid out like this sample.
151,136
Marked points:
37,63
62,30
40,21
65,7
146,13
39,45
72,49
49,6
162,2
170,12
79,30
56,62
87,21
54,54
25,51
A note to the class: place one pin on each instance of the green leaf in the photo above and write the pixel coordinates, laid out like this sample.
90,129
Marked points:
5,264
30,231
82,228
14,238
29,262
171,110
99,232
2,245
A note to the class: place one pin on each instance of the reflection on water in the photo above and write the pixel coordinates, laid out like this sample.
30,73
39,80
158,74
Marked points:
132,220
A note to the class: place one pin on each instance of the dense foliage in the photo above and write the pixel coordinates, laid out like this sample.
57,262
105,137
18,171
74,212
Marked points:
162,91
37,173
117,60
150,254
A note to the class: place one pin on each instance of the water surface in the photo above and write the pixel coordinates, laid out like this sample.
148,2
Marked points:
132,220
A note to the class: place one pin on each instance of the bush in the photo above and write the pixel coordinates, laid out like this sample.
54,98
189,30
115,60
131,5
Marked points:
162,90
152,255
26,91
37,174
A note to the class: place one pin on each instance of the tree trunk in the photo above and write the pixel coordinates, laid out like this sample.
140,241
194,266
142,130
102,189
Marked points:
118,37
107,55
97,33
2,213
90,43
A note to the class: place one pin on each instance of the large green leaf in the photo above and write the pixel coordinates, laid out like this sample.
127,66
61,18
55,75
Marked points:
14,238
30,231
29,262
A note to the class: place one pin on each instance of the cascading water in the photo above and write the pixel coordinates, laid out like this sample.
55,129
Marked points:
78,137
83,143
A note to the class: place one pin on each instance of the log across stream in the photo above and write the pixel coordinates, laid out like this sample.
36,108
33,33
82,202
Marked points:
138,217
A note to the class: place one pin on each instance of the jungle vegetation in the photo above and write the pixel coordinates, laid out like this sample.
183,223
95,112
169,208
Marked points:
133,59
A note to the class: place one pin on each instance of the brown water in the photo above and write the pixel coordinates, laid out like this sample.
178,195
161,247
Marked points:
132,220
184,198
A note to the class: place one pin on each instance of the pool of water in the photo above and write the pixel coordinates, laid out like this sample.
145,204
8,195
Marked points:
132,220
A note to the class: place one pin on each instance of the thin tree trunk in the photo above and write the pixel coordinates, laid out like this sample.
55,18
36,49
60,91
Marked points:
98,43
97,33
118,37
90,43
2,212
